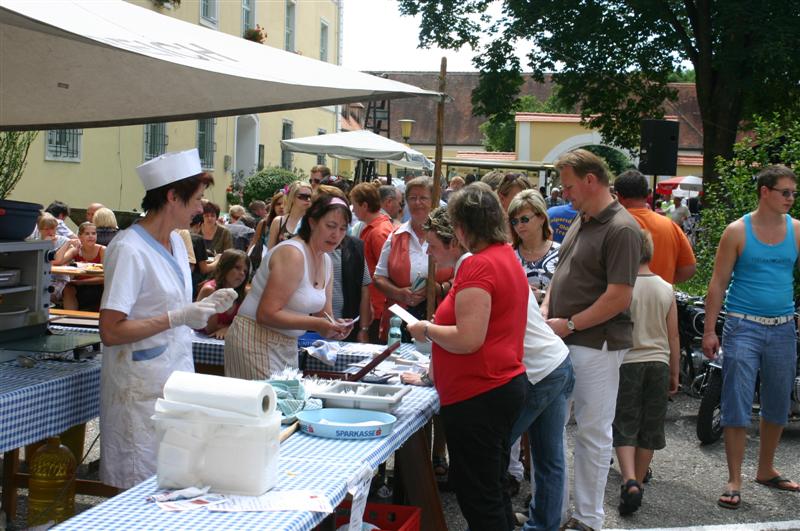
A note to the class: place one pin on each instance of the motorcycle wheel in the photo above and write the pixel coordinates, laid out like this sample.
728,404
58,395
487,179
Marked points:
709,416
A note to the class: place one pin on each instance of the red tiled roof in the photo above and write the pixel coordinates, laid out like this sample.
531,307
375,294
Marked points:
559,117
461,128
350,124
690,160
486,155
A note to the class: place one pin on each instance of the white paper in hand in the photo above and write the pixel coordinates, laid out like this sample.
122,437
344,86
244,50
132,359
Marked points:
401,312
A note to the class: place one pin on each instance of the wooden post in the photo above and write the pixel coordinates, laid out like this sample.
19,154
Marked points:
437,179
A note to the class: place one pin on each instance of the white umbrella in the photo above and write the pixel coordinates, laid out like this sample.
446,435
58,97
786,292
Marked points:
689,182
92,63
360,145
680,192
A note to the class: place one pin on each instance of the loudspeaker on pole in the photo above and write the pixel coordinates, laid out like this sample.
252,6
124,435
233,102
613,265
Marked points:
659,147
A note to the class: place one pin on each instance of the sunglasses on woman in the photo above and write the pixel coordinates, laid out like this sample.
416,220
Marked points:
304,197
522,219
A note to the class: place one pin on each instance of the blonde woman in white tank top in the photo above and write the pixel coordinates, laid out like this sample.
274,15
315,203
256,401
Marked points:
291,293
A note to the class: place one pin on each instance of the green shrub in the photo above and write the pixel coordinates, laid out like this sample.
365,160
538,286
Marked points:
774,140
265,183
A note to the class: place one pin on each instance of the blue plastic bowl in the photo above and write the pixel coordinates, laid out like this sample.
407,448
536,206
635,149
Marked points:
336,423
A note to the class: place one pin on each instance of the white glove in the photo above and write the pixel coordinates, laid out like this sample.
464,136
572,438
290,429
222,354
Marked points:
222,299
194,315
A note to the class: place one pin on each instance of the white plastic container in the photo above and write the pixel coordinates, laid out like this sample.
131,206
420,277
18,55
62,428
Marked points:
355,395
231,457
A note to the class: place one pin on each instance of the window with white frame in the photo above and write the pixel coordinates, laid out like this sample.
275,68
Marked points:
291,7
248,15
209,12
323,41
286,155
64,145
155,140
205,142
321,158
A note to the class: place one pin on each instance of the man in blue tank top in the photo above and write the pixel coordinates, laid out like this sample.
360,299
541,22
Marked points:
755,263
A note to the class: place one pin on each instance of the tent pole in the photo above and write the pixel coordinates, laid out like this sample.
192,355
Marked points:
437,177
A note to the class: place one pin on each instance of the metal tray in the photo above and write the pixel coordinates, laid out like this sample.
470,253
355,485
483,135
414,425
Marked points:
355,395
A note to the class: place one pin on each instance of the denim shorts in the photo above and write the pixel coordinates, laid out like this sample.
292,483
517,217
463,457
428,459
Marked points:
750,349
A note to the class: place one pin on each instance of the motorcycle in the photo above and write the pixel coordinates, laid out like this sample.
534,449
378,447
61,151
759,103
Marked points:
693,364
709,415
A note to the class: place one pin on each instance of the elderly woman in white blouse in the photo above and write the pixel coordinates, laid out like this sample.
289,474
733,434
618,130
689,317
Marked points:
403,265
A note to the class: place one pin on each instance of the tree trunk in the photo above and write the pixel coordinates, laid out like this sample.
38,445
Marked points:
720,99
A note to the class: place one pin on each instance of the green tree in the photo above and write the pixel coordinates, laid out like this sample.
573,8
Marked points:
775,139
617,161
500,130
682,76
14,147
265,183
612,59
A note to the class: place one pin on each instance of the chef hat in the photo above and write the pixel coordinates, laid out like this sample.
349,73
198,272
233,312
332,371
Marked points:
168,168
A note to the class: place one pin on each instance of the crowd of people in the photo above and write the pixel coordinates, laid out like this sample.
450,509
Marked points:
547,305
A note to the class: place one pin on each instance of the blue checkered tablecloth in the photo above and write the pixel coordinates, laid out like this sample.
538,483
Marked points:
306,462
345,359
46,400
205,349
210,351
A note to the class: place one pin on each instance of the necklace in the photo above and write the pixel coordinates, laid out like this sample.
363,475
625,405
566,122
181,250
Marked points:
314,267
537,253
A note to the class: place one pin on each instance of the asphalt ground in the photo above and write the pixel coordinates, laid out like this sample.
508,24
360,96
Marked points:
687,480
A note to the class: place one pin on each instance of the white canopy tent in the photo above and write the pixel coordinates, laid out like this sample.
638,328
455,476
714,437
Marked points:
95,63
360,145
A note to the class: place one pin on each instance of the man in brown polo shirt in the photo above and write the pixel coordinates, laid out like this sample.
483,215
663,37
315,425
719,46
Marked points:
587,305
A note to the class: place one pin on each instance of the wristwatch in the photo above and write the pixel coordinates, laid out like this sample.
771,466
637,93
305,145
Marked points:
571,326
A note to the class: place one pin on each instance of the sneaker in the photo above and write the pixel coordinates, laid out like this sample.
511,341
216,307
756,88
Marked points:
520,518
648,476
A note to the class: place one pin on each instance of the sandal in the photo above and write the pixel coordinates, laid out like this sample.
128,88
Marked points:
629,502
440,468
778,482
730,494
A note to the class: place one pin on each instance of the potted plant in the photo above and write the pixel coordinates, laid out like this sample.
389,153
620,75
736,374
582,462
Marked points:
17,218
257,34
169,4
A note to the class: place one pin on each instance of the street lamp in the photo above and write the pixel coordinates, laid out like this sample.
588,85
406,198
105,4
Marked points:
406,126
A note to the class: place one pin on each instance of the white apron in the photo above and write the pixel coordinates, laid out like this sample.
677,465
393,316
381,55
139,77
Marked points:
142,280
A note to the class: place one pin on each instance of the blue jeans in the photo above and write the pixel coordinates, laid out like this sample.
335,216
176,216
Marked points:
750,349
543,416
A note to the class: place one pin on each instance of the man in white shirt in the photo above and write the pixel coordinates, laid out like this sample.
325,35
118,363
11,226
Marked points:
680,212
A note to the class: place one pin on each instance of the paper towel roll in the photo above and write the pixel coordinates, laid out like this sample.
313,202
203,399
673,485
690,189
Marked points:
248,397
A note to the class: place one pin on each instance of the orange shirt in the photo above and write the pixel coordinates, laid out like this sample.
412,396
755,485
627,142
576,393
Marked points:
671,247
374,235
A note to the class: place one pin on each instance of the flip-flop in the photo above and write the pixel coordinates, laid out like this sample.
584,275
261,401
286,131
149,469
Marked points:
778,482
730,504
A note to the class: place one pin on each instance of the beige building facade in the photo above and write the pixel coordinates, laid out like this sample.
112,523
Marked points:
80,166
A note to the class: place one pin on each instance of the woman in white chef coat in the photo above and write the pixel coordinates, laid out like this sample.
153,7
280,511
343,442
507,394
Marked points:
146,315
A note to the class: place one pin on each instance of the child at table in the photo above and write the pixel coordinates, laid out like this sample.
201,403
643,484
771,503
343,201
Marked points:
85,291
64,251
232,271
